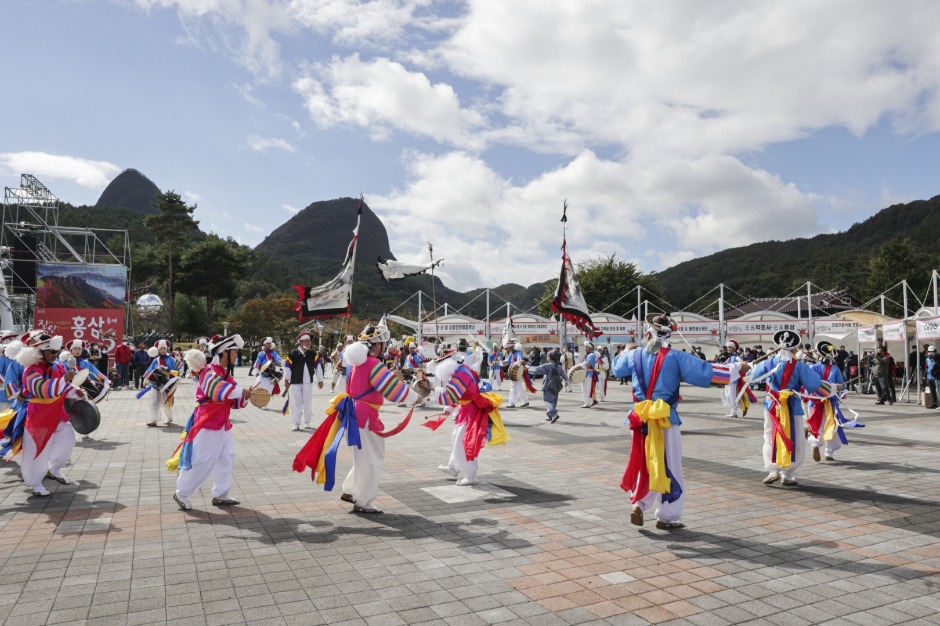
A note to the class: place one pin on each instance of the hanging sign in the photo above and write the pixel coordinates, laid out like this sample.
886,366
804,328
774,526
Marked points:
893,331
834,327
767,327
453,329
526,328
610,329
928,329
867,334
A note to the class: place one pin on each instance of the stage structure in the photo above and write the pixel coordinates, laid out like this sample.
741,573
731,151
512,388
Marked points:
63,276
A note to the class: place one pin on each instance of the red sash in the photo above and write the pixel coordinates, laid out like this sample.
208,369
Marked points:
815,420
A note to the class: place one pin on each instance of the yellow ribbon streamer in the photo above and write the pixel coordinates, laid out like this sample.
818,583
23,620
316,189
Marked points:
783,457
830,427
655,414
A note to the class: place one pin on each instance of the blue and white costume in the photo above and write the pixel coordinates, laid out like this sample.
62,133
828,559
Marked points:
517,395
160,401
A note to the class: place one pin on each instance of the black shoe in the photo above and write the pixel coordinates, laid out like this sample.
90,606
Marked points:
882,402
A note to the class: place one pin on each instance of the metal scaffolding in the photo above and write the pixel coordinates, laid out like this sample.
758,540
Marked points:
31,210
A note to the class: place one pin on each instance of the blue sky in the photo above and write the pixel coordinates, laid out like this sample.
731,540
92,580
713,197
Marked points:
672,135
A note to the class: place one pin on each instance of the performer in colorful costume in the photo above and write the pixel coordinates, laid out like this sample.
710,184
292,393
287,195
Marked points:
495,362
654,471
48,439
731,393
300,368
356,413
478,422
784,439
589,386
208,446
13,420
517,388
825,420
414,362
267,355
6,337
160,401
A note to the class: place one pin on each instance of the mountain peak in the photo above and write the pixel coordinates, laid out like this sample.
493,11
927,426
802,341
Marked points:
325,228
132,190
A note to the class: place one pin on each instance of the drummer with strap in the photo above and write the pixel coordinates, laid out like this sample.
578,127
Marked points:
48,439
161,379
87,376
268,369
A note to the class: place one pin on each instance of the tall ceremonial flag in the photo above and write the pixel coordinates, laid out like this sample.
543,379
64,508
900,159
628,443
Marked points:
507,331
569,300
335,297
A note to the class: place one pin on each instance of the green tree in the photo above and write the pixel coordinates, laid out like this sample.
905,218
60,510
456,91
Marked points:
172,226
212,269
606,279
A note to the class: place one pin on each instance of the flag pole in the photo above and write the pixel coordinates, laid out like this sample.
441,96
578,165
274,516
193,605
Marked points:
437,337
564,239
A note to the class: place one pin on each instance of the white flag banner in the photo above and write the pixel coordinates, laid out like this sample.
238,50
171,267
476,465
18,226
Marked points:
453,329
767,327
867,334
928,329
893,331
614,329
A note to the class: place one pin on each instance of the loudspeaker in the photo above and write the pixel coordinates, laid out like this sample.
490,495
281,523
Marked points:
24,263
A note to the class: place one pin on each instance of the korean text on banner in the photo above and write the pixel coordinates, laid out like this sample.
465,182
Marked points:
102,326
893,331
928,329
867,334
834,327
767,327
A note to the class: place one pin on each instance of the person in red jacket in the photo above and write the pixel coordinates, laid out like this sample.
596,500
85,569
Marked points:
122,358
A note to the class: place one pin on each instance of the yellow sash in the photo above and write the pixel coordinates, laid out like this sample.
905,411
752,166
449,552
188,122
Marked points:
830,427
655,414
783,457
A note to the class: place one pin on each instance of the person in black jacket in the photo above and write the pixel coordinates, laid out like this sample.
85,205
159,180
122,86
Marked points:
300,367
141,361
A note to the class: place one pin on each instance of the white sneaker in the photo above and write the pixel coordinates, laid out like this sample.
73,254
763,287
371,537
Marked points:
168,422
511,406
40,491
466,482
585,406
295,428
306,426
447,470
182,502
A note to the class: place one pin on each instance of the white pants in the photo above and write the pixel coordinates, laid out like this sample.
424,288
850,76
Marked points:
495,380
669,511
729,395
828,447
362,482
158,405
213,453
52,459
601,382
458,456
799,446
337,376
301,404
517,393
586,390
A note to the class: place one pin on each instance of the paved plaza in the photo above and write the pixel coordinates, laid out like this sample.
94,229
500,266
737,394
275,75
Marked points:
544,540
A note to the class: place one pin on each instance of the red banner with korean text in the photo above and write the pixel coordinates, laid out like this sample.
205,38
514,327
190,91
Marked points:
102,326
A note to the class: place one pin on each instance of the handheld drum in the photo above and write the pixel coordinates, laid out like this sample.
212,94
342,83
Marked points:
259,397
516,370
576,376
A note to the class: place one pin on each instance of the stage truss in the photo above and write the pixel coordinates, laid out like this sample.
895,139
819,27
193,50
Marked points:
32,209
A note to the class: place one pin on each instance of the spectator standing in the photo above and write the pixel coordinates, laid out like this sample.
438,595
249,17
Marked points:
880,371
141,361
932,368
840,358
104,360
748,356
850,371
122,359
892,374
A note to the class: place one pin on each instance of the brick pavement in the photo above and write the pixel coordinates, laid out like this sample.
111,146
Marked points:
545,540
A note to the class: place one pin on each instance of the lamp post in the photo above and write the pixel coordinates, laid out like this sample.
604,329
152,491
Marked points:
225,329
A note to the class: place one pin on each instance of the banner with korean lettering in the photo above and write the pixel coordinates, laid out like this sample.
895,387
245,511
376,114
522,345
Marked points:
767,327
526,328
608,329
453,329
893,331
84,302
928,329
695,329
835,328
867,334
102,326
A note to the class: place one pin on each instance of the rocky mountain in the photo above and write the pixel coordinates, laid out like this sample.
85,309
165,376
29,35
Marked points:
324,229
130,189
72,292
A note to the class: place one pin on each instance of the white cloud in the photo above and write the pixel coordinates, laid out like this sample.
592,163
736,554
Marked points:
91,174
192,197
245,90
381,95
262,144
290,209
487,224
253,229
